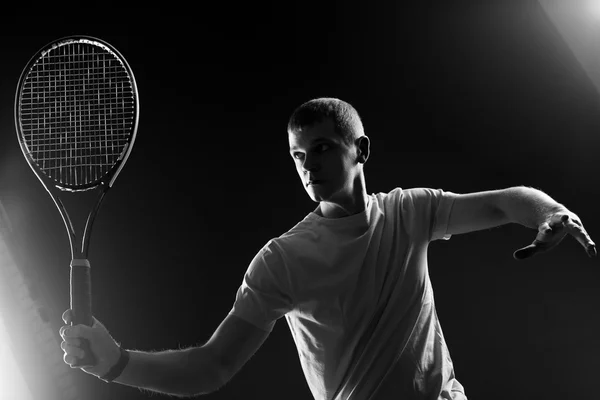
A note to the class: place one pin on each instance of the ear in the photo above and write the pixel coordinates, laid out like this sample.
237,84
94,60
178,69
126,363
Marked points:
364,148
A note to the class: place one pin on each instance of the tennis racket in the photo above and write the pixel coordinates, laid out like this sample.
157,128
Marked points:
76,115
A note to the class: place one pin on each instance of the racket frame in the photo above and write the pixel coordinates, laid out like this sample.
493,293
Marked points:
79,242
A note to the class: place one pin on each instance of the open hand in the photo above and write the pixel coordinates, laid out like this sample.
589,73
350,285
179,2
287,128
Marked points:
553,231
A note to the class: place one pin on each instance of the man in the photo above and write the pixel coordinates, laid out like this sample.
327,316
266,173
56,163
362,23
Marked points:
351,280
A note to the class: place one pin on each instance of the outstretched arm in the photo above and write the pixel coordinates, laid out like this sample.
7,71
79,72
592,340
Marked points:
553,221
522,205
183,373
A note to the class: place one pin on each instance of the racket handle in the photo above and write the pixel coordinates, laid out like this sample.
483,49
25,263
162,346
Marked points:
81,305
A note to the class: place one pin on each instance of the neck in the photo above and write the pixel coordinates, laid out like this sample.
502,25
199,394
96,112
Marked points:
354,205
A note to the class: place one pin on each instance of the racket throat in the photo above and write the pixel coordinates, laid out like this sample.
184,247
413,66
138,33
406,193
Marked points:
87,232
79,239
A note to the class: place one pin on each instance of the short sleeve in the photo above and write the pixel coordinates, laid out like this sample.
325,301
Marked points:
427,211
264,295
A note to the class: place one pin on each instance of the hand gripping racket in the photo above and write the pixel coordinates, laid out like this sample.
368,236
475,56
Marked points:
76,114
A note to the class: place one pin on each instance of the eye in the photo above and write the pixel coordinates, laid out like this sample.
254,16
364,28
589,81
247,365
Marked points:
320,146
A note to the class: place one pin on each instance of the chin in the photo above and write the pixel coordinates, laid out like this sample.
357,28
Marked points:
316,197
322,193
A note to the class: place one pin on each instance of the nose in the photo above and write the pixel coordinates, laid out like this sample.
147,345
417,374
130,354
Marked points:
309,164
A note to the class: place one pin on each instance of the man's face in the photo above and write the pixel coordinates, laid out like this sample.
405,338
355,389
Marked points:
326,165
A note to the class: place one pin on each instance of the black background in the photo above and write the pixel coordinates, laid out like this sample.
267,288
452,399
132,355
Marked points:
465,96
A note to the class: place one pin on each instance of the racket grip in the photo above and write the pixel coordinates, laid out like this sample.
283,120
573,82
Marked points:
81,306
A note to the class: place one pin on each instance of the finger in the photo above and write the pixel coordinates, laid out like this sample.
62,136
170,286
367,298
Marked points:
68,331
67,316
72,350
77,331
61,331
69,359
581,235
72,341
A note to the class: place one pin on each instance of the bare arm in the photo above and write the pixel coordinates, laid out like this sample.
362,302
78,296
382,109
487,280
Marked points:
483,210
522,205
183,373
475,211
234,342
527,206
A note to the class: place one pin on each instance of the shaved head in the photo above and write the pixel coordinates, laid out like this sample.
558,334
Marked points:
346,121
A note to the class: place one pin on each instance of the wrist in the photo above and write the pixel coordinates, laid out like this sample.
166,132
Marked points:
528,206
118,368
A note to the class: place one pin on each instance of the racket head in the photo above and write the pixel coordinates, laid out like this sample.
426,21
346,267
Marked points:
77,113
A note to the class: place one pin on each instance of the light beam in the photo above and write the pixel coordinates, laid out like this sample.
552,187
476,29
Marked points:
12,383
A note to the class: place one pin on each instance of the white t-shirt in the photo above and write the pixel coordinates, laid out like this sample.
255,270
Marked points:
357,297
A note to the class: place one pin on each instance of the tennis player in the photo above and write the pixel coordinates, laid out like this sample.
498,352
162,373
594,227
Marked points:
351,280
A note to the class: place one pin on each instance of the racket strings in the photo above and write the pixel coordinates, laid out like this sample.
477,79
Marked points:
77,112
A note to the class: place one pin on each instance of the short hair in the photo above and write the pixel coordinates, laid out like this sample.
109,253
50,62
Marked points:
346,121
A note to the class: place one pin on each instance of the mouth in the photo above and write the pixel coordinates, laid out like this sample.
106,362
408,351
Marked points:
313,183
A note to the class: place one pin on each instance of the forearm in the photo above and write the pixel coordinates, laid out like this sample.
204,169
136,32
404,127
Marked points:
527,206
181,373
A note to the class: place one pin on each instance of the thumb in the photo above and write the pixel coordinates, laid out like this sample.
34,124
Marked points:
525,252
97,324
